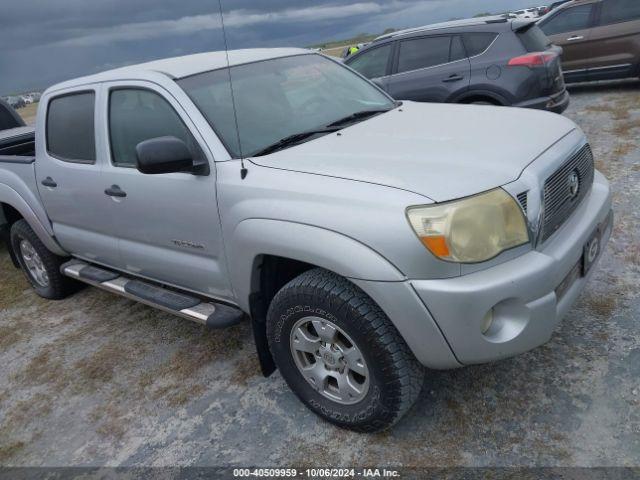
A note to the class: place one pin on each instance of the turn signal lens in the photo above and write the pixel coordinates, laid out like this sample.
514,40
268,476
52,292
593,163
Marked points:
438,245
470,230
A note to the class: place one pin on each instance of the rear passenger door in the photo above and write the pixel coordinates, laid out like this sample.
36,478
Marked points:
615,40
69,176
373,63
429,69
167,226
570,28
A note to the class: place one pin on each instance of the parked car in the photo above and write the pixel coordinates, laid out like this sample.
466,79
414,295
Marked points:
600,38
526,13
365,239
491,60
553,6
9,118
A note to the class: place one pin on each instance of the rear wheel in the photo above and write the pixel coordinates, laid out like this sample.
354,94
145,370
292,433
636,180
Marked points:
340,354
40,266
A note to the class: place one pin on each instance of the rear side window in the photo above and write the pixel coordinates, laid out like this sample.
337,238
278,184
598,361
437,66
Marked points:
70,127
569,20
476,43
136,115
616,11
372,64
423,52
533,39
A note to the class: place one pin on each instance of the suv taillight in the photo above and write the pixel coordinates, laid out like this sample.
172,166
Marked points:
532,59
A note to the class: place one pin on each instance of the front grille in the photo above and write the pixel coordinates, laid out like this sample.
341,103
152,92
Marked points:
565,189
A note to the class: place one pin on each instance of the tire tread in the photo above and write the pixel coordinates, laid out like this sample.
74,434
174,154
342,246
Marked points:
338,291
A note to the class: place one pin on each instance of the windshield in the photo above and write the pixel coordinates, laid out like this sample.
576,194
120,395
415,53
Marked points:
277,98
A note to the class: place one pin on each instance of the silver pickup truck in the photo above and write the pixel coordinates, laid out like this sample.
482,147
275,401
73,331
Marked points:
363,238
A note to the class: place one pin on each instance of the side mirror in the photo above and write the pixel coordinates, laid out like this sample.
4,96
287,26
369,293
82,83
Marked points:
166,155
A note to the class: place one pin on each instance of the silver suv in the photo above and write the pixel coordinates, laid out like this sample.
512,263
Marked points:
364,239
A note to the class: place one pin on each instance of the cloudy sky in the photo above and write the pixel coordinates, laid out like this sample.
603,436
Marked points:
46,41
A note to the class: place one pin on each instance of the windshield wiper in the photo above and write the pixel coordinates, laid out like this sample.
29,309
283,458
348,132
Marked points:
357,116
293,139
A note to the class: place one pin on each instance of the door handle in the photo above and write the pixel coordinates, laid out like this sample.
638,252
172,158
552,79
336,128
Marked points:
115,191
575,38
49,182
453,78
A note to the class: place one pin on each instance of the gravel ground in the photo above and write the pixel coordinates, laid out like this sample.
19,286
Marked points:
98,380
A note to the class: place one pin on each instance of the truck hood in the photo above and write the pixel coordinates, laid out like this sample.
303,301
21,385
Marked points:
440,151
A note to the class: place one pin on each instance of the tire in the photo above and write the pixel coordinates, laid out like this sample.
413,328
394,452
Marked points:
387,377
25,243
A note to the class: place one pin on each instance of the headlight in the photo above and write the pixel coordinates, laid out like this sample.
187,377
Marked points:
470,230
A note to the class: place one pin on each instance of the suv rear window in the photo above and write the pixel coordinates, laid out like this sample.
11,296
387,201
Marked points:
423,52
533,39
616,11
70,127
476,43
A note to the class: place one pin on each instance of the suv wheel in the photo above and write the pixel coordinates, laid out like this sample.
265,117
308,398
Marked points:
40,266
340,353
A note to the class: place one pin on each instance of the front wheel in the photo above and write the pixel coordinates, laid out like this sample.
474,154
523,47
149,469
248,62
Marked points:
340,353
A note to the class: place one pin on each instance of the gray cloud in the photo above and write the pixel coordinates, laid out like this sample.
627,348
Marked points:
42,42
232,19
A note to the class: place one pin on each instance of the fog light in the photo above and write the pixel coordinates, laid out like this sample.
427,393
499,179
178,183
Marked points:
487,321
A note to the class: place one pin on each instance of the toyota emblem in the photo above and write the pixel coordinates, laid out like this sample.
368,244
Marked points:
574,184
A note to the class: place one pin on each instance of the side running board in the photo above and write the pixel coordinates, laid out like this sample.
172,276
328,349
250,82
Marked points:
213,315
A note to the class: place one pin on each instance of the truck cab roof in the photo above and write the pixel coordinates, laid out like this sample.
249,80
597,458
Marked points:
185,66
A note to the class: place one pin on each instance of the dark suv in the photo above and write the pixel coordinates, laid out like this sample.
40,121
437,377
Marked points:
492,60
600,38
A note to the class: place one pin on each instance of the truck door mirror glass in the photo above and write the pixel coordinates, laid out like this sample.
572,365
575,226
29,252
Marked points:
166,155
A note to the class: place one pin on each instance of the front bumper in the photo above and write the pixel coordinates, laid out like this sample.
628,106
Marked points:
557,103
524,292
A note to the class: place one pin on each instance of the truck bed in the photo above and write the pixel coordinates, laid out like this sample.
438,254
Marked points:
17,145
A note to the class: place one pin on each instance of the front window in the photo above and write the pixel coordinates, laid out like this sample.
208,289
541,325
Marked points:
277,98
372,63
136,115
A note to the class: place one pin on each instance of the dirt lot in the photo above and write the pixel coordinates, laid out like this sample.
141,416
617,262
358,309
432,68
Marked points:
97,380
29,113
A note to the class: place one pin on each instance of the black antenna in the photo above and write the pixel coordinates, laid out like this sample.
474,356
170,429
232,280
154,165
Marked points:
243,169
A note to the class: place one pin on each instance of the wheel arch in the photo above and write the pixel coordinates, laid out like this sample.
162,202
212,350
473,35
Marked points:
264,255
13,203
482,95
258,239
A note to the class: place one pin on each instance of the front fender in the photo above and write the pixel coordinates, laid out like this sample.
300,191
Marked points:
317,246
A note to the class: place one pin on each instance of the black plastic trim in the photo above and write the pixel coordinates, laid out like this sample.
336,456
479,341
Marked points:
160,296
97,274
